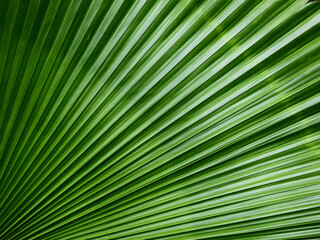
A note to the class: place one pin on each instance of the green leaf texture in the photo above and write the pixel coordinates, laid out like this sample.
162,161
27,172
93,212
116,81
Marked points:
169,119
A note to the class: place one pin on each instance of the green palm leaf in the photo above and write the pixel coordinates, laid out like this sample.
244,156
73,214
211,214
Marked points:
191,119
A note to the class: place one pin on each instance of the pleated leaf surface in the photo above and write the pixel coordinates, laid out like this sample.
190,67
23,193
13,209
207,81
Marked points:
167,119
